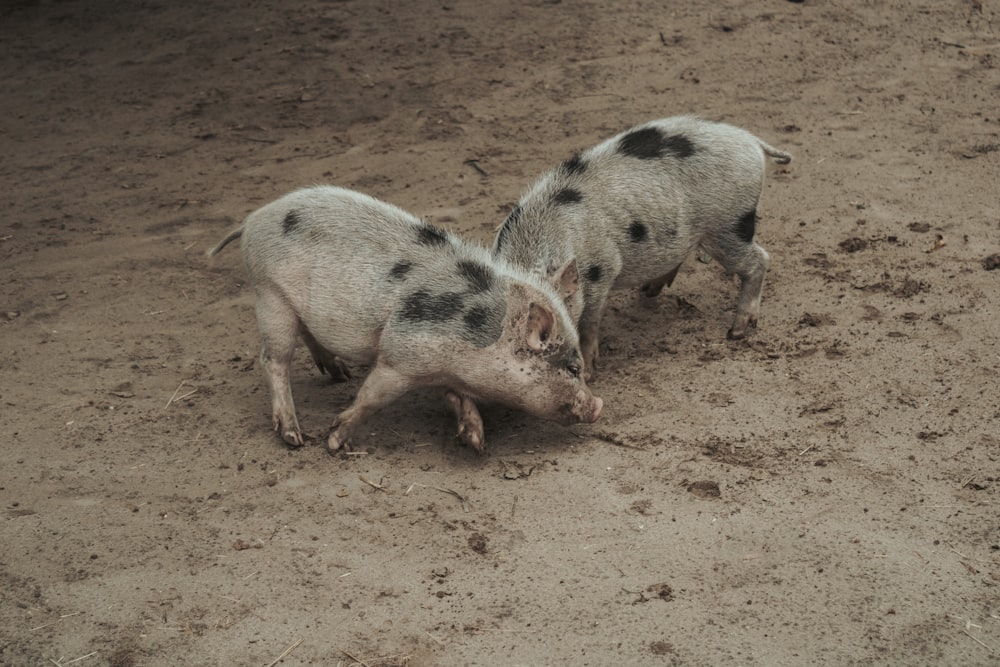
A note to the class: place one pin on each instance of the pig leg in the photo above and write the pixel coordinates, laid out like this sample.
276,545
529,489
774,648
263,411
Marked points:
279,329
590,324
751,275
382,386
470,423
749,261
655,286
326,362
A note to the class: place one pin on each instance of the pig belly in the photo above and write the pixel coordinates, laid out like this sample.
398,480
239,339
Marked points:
639,267
344,326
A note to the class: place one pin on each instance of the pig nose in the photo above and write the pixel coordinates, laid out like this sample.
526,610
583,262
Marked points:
588,407
598,404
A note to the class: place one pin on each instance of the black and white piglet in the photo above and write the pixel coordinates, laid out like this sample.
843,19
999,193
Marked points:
628,211
365,282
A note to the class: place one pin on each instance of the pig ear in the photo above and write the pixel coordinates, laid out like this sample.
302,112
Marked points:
566,279
539,327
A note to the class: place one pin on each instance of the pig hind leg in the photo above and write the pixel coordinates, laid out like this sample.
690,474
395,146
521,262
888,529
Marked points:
382,386
739,254
655,286
279,329
325,360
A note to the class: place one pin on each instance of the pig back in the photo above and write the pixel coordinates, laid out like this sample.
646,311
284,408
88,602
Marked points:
352,266
668,181
637,203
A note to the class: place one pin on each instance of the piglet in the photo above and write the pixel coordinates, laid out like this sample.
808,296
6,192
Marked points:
364,282
628,211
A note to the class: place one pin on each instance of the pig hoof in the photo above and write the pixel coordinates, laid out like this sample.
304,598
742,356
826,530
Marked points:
336,442
337,370
471,437
292,438
739,333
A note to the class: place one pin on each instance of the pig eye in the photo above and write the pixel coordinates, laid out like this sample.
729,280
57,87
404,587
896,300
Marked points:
573,368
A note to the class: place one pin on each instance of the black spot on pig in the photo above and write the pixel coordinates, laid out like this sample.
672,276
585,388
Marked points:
483,325
645,143
400,269
568,196
638,231
423,306
429,235
512,218
679,146
649,143
291,220
574,165
475,318
479,276
594,273
746,226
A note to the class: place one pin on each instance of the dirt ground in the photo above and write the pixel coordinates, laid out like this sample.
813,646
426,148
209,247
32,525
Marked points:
823,493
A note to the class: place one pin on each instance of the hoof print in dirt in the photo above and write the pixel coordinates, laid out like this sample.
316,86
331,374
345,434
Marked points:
479,543
705,489
815,320
661,591
514,470
853,244
653,592
661,648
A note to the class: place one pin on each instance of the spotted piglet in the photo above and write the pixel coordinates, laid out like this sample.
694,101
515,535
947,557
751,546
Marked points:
364,282
628,211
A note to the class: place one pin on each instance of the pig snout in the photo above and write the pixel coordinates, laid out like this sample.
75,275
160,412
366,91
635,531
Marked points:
585,408
593,412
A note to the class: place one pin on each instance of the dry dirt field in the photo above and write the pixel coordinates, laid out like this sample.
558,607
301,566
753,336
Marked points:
825,492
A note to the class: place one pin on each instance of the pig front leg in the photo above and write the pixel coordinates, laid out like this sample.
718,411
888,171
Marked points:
279,329
590,324
382,386
470,423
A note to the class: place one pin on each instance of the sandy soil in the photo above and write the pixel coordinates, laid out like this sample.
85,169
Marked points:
823,493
